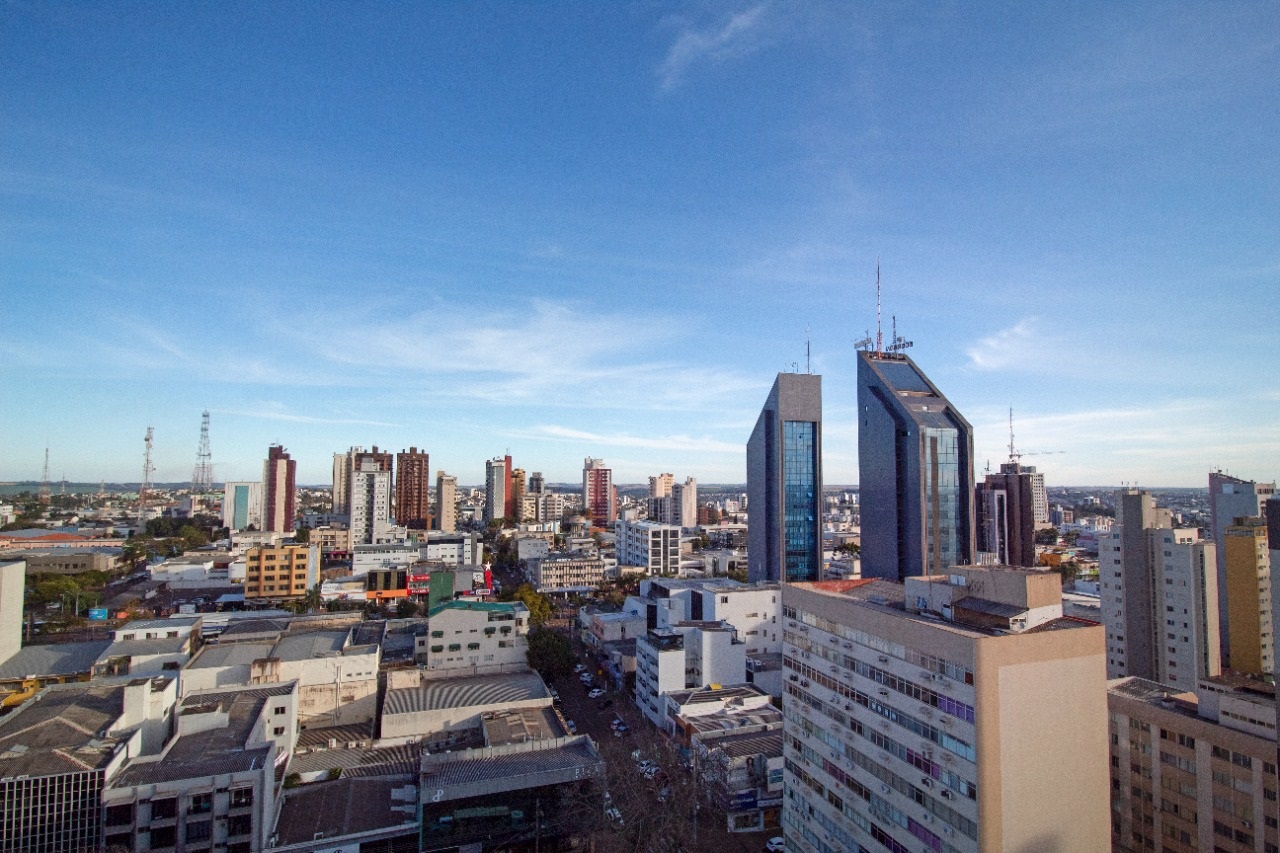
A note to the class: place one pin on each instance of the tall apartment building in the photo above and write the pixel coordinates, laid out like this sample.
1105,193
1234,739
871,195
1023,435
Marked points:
1159,595
1039,494
287,571
1193,772
341,500
550,506
537,484
684,503
1005,517
915,472
1231,498
279,491
519,491
370,502
955,712
784,482
1249,628
446,502
242,506
650,544
599,502
413,489
496,482
660,486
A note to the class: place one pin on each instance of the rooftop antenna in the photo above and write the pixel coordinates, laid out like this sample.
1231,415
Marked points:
44,478
898,343
808,364
879,339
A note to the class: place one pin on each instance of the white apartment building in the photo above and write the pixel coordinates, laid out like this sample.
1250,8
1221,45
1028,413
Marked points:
467,637
452,549
650,544
370,503
560,572
952,713
390,556
752,610
683,656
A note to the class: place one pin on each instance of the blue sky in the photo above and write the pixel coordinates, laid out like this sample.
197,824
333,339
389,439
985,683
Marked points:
582,229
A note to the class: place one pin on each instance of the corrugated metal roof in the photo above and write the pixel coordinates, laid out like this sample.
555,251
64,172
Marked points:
469,692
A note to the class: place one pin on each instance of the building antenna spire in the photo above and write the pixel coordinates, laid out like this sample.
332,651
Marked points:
879,337
1012,457
808,364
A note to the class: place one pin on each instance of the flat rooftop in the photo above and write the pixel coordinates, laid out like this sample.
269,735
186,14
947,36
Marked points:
63,729
467,692
347,806
58,659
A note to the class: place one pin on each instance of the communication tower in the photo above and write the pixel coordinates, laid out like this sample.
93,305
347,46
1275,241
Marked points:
44,478
202,477
147,470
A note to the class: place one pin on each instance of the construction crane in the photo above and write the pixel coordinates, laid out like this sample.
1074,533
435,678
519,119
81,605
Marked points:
1015,455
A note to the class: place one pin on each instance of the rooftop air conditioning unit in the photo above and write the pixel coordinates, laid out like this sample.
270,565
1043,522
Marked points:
883,659
948,795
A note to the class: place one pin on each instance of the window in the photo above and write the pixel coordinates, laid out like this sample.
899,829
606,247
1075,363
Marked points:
121,815
435,650
164,809
240,824
455,647
201,830
200,803
241,797
278,730
279,709
163,836
471,647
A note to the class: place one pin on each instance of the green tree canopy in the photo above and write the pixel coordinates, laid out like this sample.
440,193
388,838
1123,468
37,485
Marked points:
539,605
550,653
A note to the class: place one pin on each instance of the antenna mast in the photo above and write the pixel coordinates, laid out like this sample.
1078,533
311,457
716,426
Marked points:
879,339
808,365
146,480
1012,455
202,477
44,478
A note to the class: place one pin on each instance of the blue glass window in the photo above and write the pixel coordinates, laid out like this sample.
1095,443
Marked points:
799,483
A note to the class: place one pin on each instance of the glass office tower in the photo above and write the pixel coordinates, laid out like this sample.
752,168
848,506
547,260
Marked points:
784,483
915,472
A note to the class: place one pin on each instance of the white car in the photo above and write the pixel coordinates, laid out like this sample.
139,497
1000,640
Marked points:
595,694
580,668
775,844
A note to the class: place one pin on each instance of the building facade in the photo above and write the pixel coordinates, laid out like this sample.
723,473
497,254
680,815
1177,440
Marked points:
446,502
915,467
1005,523
370,502
496,482
286,571
654,546
599,502
916,716
242,506
1231,498
279,491
1245,548
784,482
413,489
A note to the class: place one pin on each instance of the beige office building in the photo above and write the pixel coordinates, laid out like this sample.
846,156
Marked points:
1193,771
959,712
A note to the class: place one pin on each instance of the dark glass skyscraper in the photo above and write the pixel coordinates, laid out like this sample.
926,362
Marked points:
915,472
784,483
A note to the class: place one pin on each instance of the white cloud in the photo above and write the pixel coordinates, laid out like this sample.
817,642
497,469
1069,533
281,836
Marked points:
1014,347
736,37
275,412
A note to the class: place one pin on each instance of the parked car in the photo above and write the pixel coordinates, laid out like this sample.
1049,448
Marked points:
614,816
571,726
595,694
775,844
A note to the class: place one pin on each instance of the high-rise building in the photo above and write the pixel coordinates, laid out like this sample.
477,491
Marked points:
1249,596
341,501
1192,772
446,502
370,502
413,489
496,481
784,483
537,485
1005,509
955,712
915,472
660,486
650,544
684,496
519,490
1039,494
1231,498
280,495
509,509
1159,594
598,500
242,506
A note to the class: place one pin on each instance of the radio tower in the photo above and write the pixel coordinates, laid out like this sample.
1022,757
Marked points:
202,477
44,478
146,480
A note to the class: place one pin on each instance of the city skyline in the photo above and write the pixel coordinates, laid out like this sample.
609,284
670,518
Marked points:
571,231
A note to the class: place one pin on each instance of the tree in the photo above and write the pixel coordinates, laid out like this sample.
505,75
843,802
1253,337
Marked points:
853,549
302,535
550,653
1047,536
539,605
407,608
